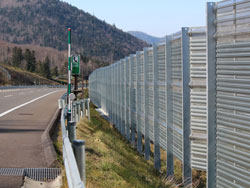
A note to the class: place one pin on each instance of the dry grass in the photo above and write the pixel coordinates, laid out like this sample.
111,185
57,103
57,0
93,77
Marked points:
111,161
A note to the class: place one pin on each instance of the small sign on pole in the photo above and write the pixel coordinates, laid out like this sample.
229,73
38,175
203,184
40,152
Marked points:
75,60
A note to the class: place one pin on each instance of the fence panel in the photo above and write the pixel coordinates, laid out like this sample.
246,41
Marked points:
232,93
198,98
194,90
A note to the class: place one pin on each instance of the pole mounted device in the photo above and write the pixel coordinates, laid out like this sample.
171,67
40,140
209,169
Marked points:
69,65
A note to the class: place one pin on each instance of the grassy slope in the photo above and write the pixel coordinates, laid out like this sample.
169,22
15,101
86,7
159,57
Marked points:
111,162
22,77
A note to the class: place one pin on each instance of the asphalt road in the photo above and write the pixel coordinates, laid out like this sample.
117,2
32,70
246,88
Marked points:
24,116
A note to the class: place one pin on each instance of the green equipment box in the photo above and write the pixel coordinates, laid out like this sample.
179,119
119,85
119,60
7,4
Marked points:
75,60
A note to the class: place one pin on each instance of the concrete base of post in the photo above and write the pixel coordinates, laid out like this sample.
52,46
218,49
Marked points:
72,131
79,151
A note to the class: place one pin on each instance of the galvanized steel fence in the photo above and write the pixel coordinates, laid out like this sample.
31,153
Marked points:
189,96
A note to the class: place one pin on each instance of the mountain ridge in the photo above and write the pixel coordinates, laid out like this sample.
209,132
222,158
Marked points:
146,37
45,23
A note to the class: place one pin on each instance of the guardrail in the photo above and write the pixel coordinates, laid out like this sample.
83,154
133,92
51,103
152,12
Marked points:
73,149
189,96
31,86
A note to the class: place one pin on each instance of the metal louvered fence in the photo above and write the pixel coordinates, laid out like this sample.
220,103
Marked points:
189,96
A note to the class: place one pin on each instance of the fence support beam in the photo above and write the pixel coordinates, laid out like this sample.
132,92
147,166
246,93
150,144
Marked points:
119,97
186,146
157,154
116,96
170,158
127,99
132,99
123,96
146,104
138,103
211,96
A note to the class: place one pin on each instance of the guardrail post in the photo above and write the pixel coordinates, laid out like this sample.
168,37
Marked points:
79,151
78,111
146,104
88,101
157,153
68,117
82,108
187,172
211,95
73,111
138,103
72,131
170,157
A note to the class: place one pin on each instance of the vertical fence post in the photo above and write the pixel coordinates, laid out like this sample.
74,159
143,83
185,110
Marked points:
146,104
115,95
132,99
157,154
170,158
120,96
187,172
111,91
211,95
127,99
123,96
138,103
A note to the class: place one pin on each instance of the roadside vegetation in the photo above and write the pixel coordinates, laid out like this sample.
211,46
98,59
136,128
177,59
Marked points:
112,162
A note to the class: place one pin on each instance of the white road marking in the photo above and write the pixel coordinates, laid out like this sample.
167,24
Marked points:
8,96
8,111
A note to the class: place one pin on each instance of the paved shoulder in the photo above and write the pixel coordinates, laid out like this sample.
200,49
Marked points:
21,130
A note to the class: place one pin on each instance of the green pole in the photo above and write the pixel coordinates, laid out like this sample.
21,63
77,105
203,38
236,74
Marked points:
69,66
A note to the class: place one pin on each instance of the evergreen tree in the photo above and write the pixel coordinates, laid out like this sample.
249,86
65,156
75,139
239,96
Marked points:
17,57
33,65
30,59
46,68
55,71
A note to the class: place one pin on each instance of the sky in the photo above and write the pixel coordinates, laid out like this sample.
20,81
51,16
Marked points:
154,17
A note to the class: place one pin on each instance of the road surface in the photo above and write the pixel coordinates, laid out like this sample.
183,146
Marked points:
24,116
